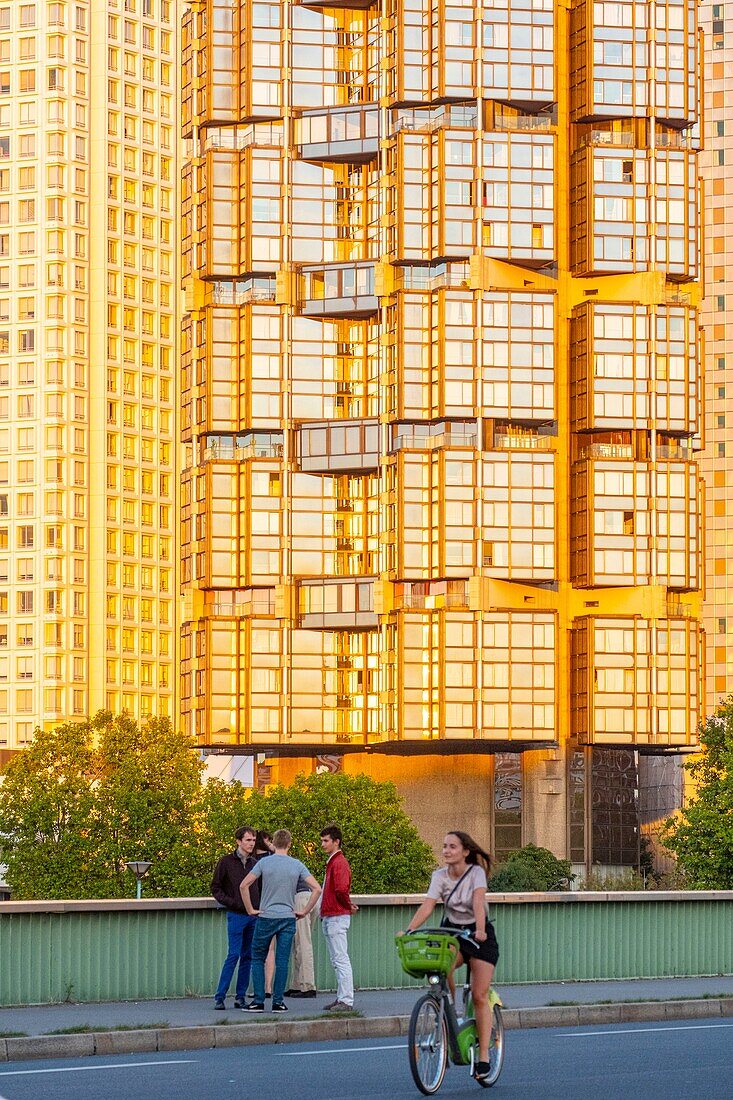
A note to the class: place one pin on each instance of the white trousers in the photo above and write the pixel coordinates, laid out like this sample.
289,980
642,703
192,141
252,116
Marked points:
335,929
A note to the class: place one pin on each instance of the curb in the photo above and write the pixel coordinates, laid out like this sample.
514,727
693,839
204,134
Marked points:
151,1040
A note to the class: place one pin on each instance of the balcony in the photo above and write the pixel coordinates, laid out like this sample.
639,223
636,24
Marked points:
341,135
428,119
333,447
523,441
337,604
243,291
339,290
239,603
608,450
237,448
433,436
429,595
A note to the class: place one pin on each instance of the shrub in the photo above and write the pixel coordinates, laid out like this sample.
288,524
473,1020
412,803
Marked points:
531,868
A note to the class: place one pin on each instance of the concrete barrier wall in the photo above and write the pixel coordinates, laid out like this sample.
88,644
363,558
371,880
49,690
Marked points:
128,950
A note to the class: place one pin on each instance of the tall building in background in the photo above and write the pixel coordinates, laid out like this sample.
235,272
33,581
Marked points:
88,195
440,386
717,170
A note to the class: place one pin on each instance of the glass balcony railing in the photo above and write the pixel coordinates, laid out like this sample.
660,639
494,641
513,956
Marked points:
432,276
524,122
428,437
236,448
239,137
456,116
524,441
244,291
608,450
241,603
622,138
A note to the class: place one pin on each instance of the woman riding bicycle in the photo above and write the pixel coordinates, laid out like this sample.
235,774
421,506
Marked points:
461,886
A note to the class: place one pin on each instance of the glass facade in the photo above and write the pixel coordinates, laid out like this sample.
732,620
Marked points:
441,379
717,460
88,340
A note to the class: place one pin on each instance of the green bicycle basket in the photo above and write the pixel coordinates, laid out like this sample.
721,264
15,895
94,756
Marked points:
424,953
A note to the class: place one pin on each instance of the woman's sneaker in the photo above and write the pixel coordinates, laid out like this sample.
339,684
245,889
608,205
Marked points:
482,1071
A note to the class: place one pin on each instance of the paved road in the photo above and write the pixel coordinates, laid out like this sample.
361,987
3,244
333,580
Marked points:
649,1061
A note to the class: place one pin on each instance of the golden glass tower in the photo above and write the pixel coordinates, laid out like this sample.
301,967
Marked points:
716,160
440,386
88,199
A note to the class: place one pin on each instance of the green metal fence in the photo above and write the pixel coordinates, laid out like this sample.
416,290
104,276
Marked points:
97,951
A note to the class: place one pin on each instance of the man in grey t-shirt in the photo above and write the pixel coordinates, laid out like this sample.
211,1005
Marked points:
281,877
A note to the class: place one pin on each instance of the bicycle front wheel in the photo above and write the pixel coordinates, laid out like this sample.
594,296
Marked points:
496,1048
428,1045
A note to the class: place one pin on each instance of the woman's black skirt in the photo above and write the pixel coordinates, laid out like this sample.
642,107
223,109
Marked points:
488,951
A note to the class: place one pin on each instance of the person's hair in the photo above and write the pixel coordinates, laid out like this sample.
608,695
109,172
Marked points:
243,830
282,838
334,832
476,854
260,838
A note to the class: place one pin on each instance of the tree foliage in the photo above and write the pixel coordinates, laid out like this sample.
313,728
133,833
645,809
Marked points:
383,846
531,868
701,836
85,798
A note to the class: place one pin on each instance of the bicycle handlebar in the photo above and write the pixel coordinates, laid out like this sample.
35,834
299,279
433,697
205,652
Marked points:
457,933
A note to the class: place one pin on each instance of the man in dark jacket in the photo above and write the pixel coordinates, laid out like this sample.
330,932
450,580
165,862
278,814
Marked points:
230,872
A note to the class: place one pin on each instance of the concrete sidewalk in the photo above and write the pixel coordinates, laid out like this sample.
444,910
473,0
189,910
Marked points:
132,1027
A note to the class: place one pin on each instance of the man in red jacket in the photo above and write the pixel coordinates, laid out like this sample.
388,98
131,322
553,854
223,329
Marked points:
336,910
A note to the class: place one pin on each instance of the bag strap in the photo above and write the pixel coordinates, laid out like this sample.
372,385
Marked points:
464,875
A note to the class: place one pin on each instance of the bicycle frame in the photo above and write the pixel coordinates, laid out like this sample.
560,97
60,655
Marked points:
453,1027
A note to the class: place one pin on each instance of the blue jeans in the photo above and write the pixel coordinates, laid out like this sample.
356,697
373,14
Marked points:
240,930
283,930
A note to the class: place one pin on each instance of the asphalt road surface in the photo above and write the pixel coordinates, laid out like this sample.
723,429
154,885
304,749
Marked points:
654,1061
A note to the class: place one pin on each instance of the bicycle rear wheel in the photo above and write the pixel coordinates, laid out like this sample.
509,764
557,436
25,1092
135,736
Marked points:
427,1045
496,1048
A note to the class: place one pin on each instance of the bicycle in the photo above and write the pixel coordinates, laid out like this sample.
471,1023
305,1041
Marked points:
437,1033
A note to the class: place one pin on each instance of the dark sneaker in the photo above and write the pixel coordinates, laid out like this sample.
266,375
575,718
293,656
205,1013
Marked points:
300,993
278,1006
219,1005
482,1071
240,1002
254,1006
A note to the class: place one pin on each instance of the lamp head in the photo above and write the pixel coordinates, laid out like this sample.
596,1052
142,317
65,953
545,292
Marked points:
139,867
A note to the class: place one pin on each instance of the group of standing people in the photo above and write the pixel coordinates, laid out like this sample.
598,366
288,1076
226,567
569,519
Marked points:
269,897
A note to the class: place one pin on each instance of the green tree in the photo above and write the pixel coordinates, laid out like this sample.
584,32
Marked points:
701,836
48,814
382,844
531,868
84,798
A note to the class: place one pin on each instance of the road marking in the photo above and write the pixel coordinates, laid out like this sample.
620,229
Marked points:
85,1069
638,1030
339,1050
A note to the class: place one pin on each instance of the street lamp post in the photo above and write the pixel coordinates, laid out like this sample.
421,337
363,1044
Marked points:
139,868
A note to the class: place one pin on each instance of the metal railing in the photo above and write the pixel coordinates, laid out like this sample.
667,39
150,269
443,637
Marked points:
156,948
